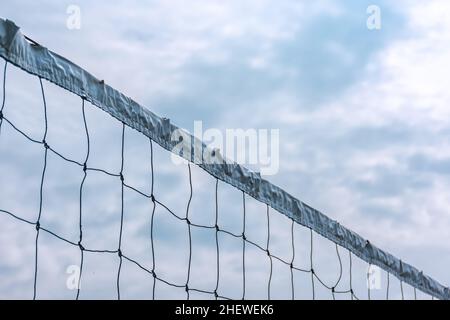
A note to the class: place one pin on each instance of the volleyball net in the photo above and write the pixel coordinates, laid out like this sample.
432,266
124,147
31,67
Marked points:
105,213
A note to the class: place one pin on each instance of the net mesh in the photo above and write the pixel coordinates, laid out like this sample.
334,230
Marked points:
183,246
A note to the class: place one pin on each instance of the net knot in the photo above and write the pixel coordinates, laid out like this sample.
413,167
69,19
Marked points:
186,288
46,146
80,246
312,271
152,197
216,294
292,265
38,226
153,273
1,115
244,237
121,177
217,227
268,252
188,221
84,167
119,253
332,289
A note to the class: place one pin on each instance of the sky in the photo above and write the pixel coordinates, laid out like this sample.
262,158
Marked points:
362,114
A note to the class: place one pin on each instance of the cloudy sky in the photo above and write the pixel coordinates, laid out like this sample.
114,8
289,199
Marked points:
363,119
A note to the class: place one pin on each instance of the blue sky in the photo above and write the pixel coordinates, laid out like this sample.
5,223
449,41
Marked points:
363,115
